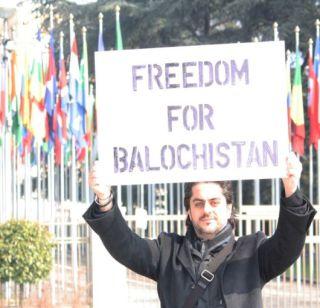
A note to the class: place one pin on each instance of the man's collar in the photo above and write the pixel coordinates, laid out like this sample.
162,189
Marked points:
210,245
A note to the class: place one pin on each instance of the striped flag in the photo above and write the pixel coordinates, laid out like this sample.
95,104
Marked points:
296,110
84,75
288,68
51,81
77,108
317,72
313,97
61,112
3,100
50,93
38,115
15,101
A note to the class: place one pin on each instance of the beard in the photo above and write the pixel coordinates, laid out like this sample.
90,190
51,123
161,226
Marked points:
209,226
206,232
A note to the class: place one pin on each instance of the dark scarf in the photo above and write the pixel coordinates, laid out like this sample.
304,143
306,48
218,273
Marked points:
208,246
203,250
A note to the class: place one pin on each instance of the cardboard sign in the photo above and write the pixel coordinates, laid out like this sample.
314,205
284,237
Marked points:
180,114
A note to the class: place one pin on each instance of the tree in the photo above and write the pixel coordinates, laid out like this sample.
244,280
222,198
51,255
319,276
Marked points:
25,253
149,23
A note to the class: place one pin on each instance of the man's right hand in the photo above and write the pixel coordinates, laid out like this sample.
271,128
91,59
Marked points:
98,182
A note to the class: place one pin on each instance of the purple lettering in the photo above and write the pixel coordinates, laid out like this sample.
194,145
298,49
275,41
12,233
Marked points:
238,145
253,156
205,113
179,156
220,150
243,72
169,75
186,74
157,75
120,159
272,153
170,150
136,160
136,77
197,156
147,159
224,72
209,82
172,118
211,155
194,117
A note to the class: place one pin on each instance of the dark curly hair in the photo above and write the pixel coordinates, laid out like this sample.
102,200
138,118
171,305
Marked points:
226,187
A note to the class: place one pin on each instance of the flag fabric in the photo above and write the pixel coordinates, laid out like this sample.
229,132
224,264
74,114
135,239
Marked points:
317,73
3,100
50,94
119,44
24,94
51,82
296,110
84,76
76,102
38,114
313,97
288,68
90,118
16,128
61,111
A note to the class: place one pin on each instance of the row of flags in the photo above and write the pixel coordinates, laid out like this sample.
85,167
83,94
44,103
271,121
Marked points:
296,121
42,104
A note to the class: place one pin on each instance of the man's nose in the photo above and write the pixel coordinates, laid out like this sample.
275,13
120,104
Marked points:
207,207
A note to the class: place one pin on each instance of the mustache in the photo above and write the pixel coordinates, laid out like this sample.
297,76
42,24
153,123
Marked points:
208,216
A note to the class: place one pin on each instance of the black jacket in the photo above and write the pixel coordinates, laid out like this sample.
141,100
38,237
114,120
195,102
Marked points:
253,262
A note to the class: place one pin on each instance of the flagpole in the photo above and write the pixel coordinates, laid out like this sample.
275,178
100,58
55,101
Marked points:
51,184
13,154
275,32
311,257
62,183
74,191
119,46
100,39
310,146
38,181
100,16
298,262
276,182
14,181
87,132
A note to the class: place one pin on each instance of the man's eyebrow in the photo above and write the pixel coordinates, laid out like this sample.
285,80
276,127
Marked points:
203,200
198,199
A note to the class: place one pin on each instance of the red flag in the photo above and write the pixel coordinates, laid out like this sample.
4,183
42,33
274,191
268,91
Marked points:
313,96
3,96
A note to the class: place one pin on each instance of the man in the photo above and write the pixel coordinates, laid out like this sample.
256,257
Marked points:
179,263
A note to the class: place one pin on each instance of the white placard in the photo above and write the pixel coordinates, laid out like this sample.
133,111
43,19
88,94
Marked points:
213,112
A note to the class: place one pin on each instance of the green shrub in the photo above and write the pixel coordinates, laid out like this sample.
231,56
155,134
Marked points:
25,252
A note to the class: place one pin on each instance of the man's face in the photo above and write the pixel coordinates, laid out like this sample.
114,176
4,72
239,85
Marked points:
209,211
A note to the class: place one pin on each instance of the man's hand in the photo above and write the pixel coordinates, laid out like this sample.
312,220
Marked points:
98,180
294,169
